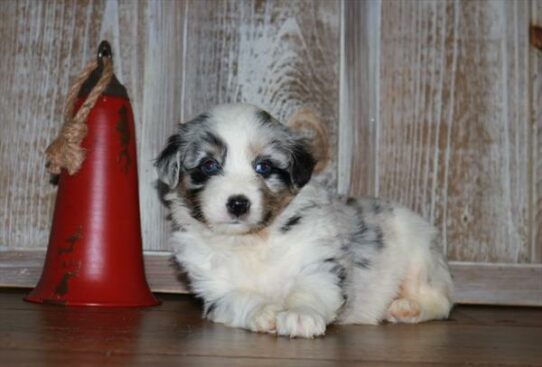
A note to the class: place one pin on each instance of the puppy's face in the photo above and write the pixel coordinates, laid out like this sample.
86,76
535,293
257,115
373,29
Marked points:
235,167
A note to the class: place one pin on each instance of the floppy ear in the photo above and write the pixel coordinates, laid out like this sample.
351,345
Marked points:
168,163
303,163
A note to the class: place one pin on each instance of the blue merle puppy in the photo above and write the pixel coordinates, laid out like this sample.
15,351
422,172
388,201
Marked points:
270,251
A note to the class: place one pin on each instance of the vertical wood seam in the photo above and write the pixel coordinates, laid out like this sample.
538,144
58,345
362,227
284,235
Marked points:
345,130
449,130
374,62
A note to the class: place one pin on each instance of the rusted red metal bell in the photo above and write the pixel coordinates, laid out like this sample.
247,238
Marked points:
94,256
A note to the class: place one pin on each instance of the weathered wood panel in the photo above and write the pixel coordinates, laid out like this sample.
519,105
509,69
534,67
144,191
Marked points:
43,46
359,102
176,58
536,136
453,135
160,83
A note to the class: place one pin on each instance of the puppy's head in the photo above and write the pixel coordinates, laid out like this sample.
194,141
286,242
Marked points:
236,167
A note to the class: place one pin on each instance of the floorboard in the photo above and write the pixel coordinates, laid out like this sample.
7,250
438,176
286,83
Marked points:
174,334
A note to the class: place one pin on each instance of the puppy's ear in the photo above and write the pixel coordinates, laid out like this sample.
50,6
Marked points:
303,163
168,163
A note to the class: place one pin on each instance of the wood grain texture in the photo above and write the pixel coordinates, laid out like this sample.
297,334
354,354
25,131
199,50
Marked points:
23,269
536,137
176,58
453,137
175,334
359,102
33,75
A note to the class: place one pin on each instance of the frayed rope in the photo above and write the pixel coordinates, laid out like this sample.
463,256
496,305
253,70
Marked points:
66,151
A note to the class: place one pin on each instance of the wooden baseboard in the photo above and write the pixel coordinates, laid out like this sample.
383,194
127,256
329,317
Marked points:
498,284
23,269
475,283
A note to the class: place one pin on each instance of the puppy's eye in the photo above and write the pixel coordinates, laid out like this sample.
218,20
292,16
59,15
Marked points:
210,167
263,168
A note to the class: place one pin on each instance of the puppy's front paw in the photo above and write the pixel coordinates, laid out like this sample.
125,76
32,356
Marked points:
300,322
263,319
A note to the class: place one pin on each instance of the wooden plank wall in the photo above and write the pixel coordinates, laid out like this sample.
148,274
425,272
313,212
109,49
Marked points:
434,104
535,78
454,133
176,58
359,98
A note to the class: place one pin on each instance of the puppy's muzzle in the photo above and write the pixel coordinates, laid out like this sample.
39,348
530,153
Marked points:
238,205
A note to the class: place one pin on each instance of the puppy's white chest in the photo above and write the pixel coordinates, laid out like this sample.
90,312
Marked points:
256,266
248,262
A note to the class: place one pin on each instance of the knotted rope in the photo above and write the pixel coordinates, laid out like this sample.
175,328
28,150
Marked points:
66,151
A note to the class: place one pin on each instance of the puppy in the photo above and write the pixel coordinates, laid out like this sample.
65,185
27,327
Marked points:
269,251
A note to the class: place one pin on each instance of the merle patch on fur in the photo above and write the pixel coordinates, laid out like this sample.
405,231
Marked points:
213,139
179,146
198,177
167,162
368,235
290,223
193,202
379,238
209,308
264,117
175,227
363,263
337,269
302,164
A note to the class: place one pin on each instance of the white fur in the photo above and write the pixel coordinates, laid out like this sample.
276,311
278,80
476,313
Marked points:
289,281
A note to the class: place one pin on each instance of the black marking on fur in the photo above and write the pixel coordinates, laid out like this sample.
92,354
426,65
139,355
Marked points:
168,164
312,205
379,238
290,223
209,308
302,163
368,235
197,177
264,117
363,263
337,269
359,235
283,176
174,226
199,119
377,208
193,203
351,201
168,167
212,139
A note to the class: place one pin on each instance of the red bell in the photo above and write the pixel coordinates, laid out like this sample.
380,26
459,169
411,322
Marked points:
94,256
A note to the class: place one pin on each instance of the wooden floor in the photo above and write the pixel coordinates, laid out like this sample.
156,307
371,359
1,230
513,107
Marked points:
173,334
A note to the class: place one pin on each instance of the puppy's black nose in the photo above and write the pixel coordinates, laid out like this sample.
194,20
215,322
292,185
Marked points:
238,205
